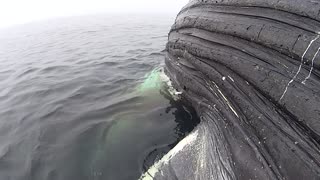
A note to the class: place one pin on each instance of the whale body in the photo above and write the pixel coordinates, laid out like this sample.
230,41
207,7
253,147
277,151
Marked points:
250,68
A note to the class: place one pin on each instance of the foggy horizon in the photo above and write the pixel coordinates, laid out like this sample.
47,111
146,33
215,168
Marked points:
17,12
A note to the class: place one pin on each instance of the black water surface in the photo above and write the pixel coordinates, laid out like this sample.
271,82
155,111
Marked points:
69,106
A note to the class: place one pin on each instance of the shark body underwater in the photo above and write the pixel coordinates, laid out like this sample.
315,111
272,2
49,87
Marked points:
250,69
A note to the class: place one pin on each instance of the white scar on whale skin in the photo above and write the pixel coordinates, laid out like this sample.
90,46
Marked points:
225,98
314,57
295,76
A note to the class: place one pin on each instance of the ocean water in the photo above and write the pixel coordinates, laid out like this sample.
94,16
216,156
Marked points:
76,102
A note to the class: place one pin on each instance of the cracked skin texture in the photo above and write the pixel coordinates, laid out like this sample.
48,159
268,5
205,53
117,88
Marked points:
233,61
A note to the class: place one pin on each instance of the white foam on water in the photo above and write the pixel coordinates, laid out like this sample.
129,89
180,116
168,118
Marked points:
164,78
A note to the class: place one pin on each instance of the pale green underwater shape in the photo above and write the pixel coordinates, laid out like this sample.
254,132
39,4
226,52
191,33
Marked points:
153,80
157,80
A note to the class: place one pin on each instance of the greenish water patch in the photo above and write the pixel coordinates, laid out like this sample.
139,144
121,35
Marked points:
152,80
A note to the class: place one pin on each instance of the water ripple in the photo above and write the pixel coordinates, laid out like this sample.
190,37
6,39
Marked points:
69,107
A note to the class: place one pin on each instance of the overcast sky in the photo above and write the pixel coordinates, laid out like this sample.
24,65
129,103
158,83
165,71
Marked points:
22,11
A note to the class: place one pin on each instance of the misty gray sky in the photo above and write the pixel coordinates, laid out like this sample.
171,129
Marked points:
22,11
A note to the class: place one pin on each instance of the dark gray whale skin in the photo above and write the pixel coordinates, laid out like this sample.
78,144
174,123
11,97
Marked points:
250,68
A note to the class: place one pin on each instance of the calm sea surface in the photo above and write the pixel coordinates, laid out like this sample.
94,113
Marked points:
70,106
